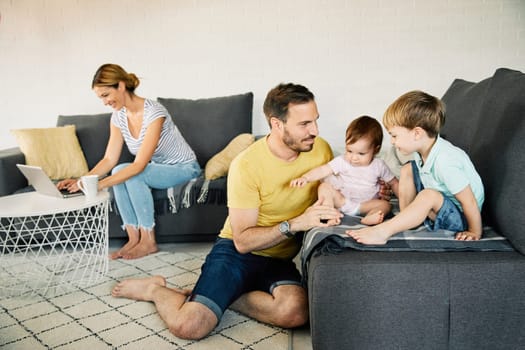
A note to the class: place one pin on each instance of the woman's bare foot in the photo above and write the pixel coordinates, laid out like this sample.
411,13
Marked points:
373,218
138,289
370,235
143,248
124,250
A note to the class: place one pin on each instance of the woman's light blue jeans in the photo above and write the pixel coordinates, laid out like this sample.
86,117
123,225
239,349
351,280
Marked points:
134,198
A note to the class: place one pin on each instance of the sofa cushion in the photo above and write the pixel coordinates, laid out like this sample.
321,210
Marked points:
498,154
209,124
93,134
464,105
56,150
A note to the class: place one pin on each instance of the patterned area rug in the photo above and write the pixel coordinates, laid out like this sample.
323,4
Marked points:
89,318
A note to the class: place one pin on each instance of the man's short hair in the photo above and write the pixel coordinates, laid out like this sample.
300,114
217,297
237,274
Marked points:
280,97
416,109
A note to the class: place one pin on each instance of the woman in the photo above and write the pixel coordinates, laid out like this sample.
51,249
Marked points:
163,158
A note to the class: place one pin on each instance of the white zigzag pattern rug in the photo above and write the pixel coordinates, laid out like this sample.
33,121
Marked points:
89,318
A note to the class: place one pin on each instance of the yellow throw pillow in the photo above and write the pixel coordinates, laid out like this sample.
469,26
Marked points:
219,164
56,150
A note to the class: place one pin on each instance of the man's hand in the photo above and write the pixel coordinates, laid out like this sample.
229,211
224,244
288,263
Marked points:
317,215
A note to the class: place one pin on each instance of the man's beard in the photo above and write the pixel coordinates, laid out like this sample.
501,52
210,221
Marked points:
297,145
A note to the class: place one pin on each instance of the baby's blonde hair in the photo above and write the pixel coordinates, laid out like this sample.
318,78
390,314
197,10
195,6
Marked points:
416,109
111,74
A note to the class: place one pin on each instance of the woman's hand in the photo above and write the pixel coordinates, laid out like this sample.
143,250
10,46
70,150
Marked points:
68,184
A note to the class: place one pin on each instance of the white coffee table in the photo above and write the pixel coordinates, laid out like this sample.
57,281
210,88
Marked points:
50,244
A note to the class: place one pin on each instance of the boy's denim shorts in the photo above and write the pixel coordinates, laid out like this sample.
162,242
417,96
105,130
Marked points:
226,274
449,216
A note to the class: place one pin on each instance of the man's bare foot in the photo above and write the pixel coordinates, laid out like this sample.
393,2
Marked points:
370,235
124,250
138,289
143,248
373,218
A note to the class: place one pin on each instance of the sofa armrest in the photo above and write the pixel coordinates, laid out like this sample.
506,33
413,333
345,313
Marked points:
11,179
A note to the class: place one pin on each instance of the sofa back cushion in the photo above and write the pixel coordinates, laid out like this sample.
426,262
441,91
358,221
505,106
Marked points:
464,105
498,154
209,124
487,119
93,134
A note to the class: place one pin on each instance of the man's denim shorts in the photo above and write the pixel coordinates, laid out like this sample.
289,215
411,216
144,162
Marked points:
449,216
226,274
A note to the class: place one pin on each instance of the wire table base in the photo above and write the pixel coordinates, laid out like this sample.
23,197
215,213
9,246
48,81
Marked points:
52,253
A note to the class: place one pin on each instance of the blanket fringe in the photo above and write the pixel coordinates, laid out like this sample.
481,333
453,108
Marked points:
171,199
186,202
204,192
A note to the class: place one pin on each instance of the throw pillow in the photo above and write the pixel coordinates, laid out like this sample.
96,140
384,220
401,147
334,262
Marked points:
219,164
56,150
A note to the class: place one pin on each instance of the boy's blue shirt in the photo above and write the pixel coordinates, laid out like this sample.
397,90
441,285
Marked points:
449,170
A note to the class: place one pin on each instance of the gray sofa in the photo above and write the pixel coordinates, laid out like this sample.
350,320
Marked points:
208,125
457,299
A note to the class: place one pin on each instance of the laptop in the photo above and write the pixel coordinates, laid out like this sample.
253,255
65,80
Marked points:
42,183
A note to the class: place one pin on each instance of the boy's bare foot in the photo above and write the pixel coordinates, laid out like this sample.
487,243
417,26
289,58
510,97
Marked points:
138,289
143,248
370,235
373,218
124,250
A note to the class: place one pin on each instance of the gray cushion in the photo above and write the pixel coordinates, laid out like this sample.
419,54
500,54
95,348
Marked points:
498,154
93,134
464,104
209,124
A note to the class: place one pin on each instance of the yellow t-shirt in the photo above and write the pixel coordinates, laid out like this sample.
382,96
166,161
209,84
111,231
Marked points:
258,179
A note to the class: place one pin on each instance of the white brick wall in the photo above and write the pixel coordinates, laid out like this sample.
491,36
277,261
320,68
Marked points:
357,56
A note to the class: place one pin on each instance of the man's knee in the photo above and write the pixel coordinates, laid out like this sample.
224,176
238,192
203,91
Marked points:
293,314
188,330
292,310
194,325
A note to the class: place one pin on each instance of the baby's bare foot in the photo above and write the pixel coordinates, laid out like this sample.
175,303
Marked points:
138,289
373,218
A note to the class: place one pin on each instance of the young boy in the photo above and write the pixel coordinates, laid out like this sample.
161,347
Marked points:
351,181
441,187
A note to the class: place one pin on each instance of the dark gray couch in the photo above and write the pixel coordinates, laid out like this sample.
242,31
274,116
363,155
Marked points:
441,300
208,125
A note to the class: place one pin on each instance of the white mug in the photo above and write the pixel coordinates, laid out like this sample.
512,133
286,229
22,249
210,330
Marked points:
89,185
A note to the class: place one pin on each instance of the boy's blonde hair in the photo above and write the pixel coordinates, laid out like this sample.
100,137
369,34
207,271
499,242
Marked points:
416,109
